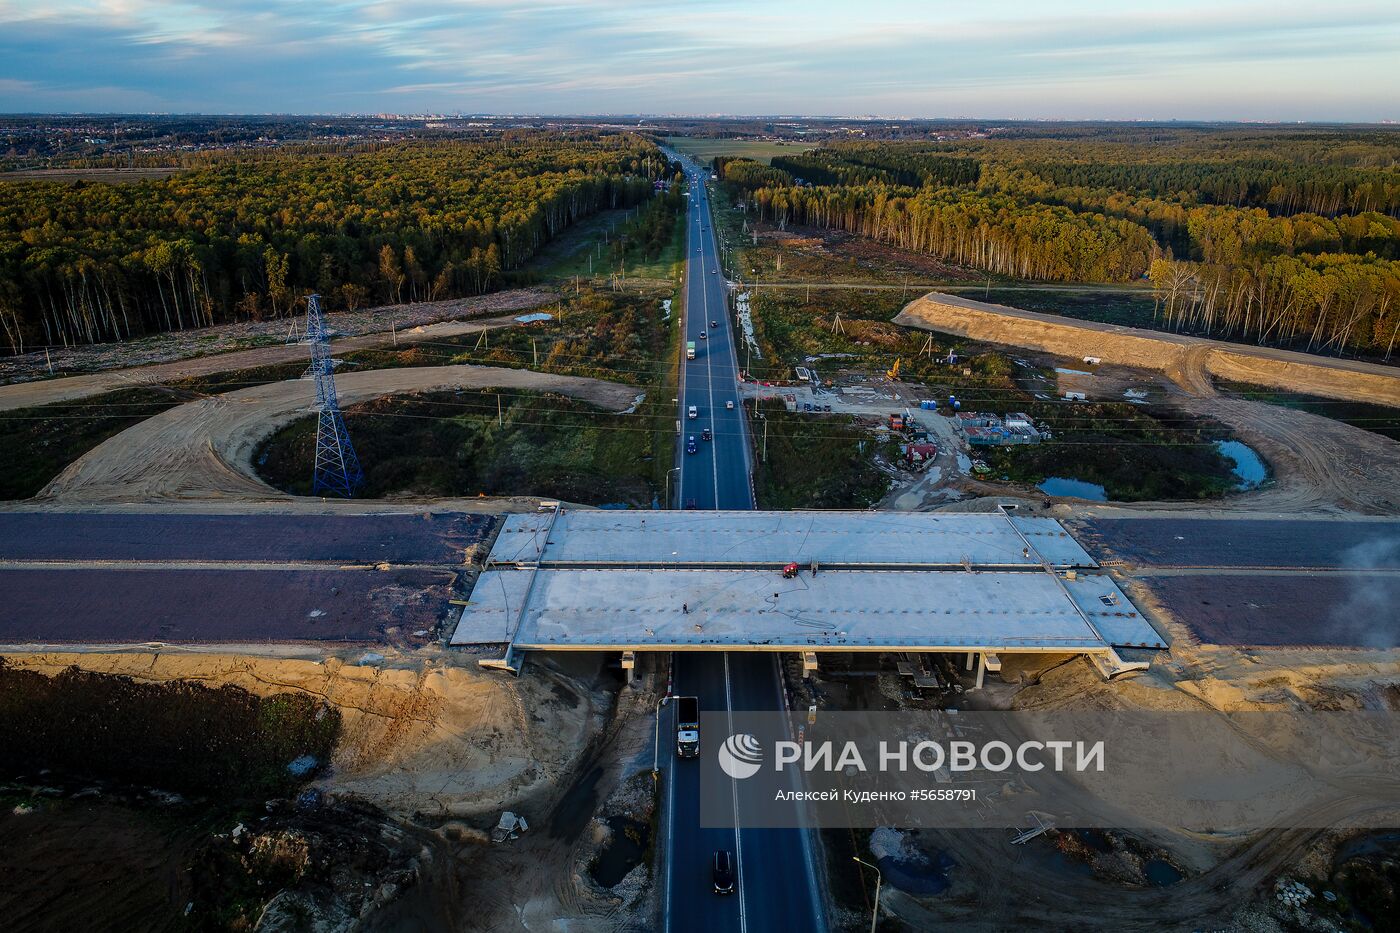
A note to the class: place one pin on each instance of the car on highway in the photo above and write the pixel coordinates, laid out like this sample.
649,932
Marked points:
705,435
714,272
692,412
722,873
729,404
703,335
714,323
690,447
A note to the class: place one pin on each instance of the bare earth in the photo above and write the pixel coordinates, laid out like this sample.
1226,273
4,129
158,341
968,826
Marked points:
429,733
1190,361
204,449
184,354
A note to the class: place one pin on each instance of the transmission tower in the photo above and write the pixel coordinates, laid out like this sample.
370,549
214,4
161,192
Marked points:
337,469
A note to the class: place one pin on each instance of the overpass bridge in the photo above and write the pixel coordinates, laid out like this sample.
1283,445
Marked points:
983,583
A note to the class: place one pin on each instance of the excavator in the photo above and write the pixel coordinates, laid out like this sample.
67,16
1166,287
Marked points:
893,373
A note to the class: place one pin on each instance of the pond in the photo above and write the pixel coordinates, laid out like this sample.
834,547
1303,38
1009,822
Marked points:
1063,486
1160,873
1248,468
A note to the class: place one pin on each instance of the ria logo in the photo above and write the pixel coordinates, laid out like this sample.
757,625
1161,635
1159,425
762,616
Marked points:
740,756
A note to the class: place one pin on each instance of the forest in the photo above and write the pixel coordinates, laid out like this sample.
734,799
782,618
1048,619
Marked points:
247,234
1291,239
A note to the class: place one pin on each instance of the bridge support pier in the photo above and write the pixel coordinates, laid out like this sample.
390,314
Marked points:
809,663
629,665
981,670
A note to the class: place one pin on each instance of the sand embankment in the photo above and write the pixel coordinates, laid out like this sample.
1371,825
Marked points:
1190,361
204,449
432,735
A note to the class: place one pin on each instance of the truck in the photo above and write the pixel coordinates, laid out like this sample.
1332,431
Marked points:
690,349
687,727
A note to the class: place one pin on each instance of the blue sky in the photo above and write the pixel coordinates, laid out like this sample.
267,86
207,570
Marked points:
1182,59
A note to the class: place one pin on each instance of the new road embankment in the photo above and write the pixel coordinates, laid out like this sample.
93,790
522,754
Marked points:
1190,361
204,449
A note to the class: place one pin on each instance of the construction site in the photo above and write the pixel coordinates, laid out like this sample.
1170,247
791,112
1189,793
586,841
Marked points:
497,662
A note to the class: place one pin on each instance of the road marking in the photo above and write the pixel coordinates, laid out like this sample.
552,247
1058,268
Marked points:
804,831
709,373
734,796
670,836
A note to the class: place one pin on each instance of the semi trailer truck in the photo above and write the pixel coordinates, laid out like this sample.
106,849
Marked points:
687,727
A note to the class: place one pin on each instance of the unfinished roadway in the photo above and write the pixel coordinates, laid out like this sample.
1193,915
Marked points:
504,305
204,450
1192,361
1320,464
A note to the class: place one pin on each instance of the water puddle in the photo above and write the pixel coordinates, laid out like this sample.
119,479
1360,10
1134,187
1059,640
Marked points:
1160,873
623,852
1064,486
1248,468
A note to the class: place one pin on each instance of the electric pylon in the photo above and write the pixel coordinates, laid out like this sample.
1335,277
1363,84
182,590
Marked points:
337,468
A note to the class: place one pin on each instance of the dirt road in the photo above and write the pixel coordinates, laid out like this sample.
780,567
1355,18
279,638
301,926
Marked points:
1189,360
67,388
204,449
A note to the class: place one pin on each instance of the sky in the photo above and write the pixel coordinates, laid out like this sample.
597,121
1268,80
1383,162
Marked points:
1034,59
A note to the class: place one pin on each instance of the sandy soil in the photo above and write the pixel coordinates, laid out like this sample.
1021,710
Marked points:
1188,360
204,449
423,733
199,353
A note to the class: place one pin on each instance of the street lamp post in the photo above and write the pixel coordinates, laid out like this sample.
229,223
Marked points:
656,747
668,484
874,914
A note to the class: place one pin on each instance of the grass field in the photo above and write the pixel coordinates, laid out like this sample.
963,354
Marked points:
814,462
760,150
462,444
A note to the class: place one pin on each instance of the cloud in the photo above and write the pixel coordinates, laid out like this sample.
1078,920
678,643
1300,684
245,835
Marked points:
930,58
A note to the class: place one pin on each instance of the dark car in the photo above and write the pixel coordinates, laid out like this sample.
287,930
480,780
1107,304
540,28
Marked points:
702,335
724,871
690,504
690,447
705,435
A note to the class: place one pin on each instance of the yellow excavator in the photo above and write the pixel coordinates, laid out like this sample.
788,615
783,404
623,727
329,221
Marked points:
893,373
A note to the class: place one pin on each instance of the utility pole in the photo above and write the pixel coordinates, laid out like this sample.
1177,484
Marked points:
765,440
394,332
48,362
500,422
535,353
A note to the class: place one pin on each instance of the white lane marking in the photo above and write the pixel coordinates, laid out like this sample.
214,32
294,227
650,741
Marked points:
734,796
685,364
796,784
709,376
670,840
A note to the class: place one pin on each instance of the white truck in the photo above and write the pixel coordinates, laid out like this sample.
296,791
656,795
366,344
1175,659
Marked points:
687,727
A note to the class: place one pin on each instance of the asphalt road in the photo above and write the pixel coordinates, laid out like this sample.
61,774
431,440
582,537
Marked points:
1255,542
716,476
777,880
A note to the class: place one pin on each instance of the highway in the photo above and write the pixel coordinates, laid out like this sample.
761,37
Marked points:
778,887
